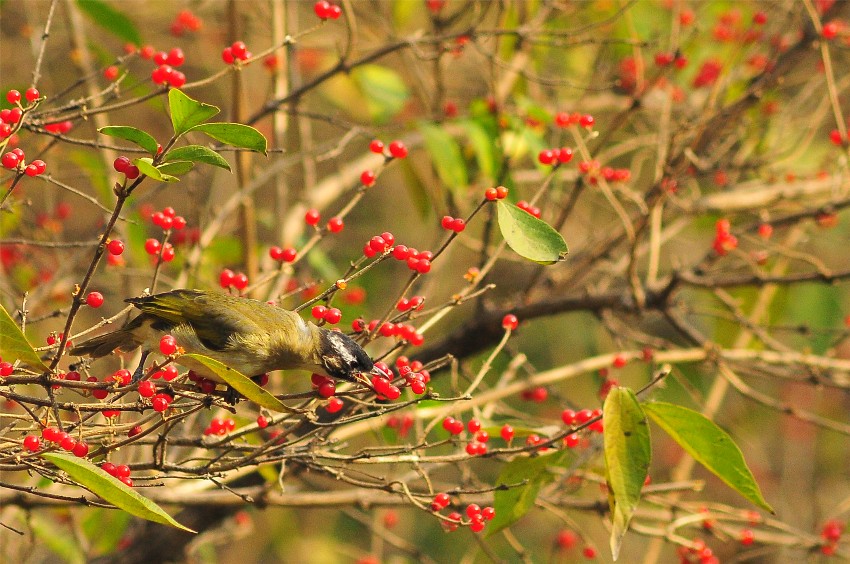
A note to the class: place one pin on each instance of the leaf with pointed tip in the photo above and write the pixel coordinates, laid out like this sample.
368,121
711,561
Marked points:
240,383
235,135
145,165
111,489
627,457
197,154
141,138
14,345
710,445
530,237
186,112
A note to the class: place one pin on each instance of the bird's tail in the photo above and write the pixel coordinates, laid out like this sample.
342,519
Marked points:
105,344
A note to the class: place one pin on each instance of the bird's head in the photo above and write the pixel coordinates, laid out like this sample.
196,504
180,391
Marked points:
343,359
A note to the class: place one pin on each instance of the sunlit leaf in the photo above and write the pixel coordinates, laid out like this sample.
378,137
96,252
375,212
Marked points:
14,345
530,237
235,134
445,156
197,154
186,112
111,20
710,445
240,383
137,136
383,90
514,502
627,457
110,488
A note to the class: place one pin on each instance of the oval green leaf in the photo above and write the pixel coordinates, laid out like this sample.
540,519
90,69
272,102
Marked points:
514,501
484,147
197,154
530,237
235,134
186,112
627,456
137,136
146,167
111,489
176,168
241,383
446,157
111,20
14,345
710,445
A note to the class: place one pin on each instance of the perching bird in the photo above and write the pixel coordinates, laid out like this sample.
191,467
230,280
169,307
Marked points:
247,335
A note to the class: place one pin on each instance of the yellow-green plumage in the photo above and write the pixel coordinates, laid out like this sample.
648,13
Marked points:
248,335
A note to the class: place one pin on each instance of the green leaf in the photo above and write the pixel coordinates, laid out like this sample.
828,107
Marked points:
14,345
383,90
111,20
197,154
446,156
187,113
417,190
514,502
627,456
54,538
137,136
111,489
146,167
239,382
176,168
484,148
710,445
530,237
235,134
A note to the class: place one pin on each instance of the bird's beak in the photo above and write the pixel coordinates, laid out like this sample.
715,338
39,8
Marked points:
377,371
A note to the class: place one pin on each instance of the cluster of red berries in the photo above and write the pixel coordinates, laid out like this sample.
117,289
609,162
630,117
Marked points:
167,71
550,157
324,385
724,241
237,51
126,167
395,150
388,329
536,395
16,160
378,244
219,426
415,303
60,127
154,248
53,435
831,533
228,278
206,385
477,516
185,21
708,73
281,254
167,373
73,375
418,261
167,219
121,471
699,550
330,315
526,207
456,224
666,58
497,193
55,338
327,11
566,119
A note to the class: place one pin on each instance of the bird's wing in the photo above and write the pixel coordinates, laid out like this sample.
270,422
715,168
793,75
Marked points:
213,323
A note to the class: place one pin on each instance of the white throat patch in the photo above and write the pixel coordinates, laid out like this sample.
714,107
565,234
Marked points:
340,346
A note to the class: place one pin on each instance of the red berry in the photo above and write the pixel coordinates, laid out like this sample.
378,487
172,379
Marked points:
510,322
335,224
318,312
447,222
829,31
132,172
507,433
147,389
333,316
327,389
312,217
115,247
110,73
81,449
94,299
240,281
10,160
322,9
765,230
226,277
121,164
167,345
32,94
566,539
32,443
175,57
398,150
589,552
376,146
489,513
152,246
501,192
619,361
571,440
239,50
134,430
547,157
159,404
747,537
227,55
13,96
334,12
586,121
262,422
367,178
334,405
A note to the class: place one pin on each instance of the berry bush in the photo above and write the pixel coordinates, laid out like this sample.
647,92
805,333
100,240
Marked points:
559,228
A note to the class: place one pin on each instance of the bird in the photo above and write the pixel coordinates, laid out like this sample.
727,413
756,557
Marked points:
248,335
